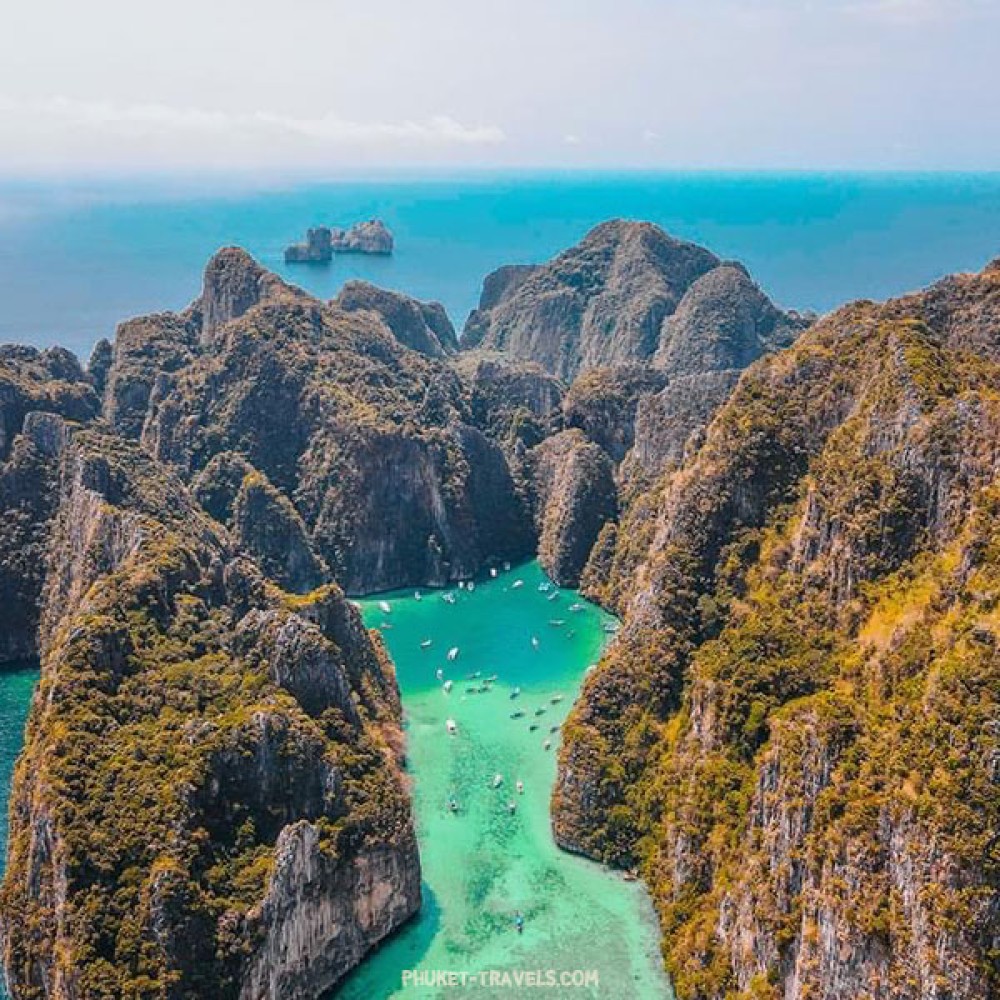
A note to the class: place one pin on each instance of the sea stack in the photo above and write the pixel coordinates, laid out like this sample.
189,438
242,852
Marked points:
372,237
317,248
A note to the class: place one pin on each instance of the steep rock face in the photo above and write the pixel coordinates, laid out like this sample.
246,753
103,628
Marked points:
599,303
724,322
367,438
422,326
268,526
234,284
603,403
145,350
348,906
574,491
210,774
36,387
498,285
668,423
508,400
810,636
371,237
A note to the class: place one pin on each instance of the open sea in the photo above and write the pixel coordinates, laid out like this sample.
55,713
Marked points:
76,258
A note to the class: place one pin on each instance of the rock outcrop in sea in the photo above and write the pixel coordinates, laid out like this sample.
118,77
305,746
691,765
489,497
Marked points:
317,249
322,242
371,237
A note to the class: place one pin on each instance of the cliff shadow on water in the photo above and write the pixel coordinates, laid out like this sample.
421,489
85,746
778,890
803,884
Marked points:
17,684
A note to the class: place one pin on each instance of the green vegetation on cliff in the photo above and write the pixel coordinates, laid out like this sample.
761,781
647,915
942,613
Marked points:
795,736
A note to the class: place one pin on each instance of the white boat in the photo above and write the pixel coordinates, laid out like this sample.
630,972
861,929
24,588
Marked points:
472,586
426,644
451,726
385,607
497,780
557,622
493,572
554,596
439,674
547,745
516,584
461,585
576,607
447,686
512,807
534,642
506,567
520,788
556,698
544,586
448,598
417,596
611,628
453,653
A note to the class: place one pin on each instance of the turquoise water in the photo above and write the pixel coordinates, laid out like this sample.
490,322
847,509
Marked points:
482,864
16,687
74,260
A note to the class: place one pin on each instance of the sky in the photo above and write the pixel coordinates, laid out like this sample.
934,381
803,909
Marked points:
318,86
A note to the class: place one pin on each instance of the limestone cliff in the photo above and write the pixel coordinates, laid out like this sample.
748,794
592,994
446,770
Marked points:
36,387
369,439
508,400
422,326
795,734
601,302
209,801
573,486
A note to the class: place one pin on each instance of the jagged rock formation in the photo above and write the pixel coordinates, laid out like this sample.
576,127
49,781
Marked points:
796,734
209,801
422,326
34,386
573,484
234,284
510,401
370,441
601,302
650,331
372,237
724,322
317,249
629,292
603,403
498,286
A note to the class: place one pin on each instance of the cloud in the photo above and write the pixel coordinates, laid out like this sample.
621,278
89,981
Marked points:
650,135
571,139
150,119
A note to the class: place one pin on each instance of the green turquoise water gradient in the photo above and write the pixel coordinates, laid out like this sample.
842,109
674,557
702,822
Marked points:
16,687
482,865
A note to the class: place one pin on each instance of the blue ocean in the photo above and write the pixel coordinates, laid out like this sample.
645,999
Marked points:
76,258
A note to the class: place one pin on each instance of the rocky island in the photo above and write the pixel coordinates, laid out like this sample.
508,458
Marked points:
322,242
793,738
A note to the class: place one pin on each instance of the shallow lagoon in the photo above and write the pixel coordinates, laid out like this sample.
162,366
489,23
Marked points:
482,865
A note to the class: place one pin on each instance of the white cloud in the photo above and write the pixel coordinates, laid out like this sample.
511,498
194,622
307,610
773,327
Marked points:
650,135
162,119
571,139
